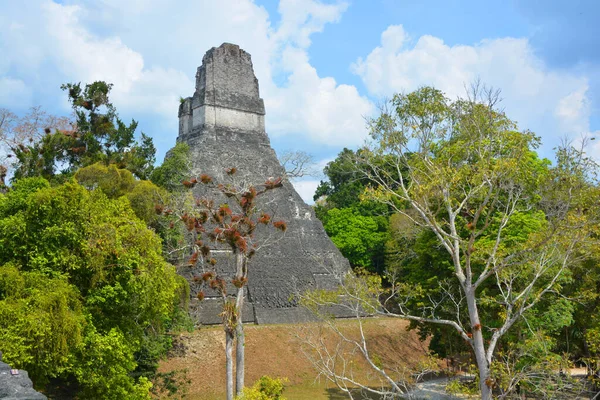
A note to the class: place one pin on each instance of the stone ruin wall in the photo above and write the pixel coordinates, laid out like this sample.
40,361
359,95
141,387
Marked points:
223,122
16,385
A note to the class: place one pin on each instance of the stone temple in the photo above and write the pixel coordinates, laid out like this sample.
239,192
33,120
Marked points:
223,123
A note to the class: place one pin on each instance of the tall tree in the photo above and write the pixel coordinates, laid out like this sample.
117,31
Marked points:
84,290
228,215
510,224
360,238
175,169
505,218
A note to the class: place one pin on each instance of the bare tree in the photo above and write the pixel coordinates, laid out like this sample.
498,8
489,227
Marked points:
227,217
298,164
18,132
336,353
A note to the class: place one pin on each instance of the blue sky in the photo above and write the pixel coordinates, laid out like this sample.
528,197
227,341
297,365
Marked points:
322,66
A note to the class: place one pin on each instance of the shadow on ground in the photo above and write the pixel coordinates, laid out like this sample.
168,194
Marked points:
433,389
338,394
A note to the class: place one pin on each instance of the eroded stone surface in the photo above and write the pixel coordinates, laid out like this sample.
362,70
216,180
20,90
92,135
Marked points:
223,123
16,386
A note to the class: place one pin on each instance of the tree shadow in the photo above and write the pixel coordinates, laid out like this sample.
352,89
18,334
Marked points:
338,394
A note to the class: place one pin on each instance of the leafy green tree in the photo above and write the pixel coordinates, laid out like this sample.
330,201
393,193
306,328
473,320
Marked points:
105,361
344,187
175,169
360,238
99,136
347,178
581,339
18,132
345,184
112,181
115,183
144,197
41,321
505,218
415,258
93,276
497,228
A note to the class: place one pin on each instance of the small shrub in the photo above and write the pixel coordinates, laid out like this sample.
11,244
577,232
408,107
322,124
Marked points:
266,388
456,387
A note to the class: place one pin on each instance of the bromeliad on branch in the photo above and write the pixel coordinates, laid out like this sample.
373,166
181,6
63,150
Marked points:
231,223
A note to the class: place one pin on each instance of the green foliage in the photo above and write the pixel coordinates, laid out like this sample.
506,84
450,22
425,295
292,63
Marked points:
530,365
345,185
581,338
453,157
114,182
103,370
494,231
266,388
41,321
457,387
84,286
143,195
174,169
360,238
169,176
357,227
100,136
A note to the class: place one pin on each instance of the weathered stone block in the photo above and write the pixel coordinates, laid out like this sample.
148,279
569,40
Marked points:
16,385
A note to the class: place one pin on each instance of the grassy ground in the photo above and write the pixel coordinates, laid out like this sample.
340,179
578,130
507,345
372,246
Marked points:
274,350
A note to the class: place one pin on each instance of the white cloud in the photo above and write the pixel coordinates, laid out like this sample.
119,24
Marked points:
310,105
318,107
306,189
302,18
152,62
552,103
573,111
14,92
83,56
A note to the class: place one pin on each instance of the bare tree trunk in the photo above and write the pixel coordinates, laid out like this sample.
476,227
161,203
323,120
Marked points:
239,358
239,329
229,363
484,373
483,365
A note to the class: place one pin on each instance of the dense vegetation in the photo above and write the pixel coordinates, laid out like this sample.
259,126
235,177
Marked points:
86,297
98,135
450,215
358,228
85,292
489,248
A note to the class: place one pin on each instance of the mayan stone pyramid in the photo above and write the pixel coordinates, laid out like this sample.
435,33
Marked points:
223,123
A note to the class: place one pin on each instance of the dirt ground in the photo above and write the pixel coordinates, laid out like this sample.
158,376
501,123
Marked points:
275,350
